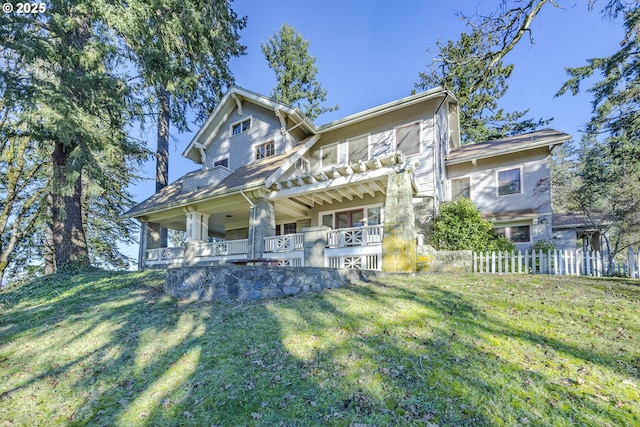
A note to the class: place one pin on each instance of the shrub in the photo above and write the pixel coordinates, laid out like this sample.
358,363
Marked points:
460,226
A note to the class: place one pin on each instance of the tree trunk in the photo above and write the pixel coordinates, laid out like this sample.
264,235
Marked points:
162,153
49,247
69,239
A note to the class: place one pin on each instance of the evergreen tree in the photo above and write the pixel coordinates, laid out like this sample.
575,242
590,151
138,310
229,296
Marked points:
288,55
181,50
467,68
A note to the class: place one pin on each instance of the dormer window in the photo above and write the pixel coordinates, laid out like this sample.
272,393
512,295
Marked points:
240,127
265,150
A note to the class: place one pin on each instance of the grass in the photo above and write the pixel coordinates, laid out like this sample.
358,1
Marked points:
109,349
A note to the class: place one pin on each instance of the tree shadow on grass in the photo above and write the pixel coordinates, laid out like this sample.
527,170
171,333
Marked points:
110,349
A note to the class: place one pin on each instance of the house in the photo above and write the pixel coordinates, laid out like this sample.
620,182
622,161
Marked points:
353,193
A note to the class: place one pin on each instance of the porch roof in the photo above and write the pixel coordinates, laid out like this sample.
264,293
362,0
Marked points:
250,177
508,145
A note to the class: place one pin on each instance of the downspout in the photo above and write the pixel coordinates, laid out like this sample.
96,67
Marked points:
436,151
252,223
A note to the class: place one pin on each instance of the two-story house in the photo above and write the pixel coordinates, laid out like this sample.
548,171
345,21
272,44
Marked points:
353,193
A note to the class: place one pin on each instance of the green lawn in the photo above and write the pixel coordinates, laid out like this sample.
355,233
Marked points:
110,349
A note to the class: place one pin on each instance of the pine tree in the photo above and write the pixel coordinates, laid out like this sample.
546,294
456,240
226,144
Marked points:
296,72
467,69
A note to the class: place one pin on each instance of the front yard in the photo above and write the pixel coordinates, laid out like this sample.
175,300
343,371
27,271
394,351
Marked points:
110,349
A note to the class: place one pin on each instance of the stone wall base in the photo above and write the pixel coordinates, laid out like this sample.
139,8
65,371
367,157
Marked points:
247,283
429,260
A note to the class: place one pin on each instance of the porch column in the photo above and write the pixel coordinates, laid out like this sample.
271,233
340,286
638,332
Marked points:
399,232
315,241
197,232
262,223
197,226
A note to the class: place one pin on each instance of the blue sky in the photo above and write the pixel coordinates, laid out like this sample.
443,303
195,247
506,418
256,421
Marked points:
370,52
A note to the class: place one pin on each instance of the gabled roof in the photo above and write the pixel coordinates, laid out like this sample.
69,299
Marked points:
508,145
229,102
388,107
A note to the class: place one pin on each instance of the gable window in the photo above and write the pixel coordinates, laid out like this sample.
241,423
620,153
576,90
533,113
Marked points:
329,155
265,150
243,126
460,188
408,139
222,162
509,182
517,234
358,149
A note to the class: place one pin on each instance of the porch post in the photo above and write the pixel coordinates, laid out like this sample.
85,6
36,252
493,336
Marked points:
315,241
399,232
142,248
197,232
262,223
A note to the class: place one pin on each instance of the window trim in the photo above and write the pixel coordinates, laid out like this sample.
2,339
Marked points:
521,171
255,147
365,210
468,177
239,122
395,136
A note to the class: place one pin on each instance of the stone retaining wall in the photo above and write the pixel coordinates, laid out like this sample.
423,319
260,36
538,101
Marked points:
246,283
431,261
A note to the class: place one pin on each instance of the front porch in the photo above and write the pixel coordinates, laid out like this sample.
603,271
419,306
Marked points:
358,248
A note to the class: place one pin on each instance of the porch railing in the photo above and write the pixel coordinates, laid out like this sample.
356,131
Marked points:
224,248
287,243
354,236
165,254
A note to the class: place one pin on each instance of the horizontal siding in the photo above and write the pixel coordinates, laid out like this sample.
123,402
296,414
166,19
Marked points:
265,126
536,192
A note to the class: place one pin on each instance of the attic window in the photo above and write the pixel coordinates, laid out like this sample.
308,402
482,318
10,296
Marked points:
240,127
265,150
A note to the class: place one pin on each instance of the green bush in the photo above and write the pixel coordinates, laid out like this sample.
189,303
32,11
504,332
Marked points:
460,226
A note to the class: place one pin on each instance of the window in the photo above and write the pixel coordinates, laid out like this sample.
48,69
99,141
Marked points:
374,216
329,155
243,126
460,188
408,139
509,182
284,229
222,162
358,149
265,150
517,234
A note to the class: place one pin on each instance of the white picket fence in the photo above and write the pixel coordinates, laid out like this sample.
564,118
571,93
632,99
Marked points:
558,262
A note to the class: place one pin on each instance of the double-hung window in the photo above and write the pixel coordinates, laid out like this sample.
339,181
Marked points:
509,182
517,234
329,155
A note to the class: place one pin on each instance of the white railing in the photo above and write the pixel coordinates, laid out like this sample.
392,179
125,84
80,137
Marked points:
355,236
355,262
287,243
224,248
165,254
557,262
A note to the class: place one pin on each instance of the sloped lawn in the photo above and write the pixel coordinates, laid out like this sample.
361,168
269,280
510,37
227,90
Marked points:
109,349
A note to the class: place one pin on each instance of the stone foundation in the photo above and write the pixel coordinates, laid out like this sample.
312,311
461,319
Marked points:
431,261
247,283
